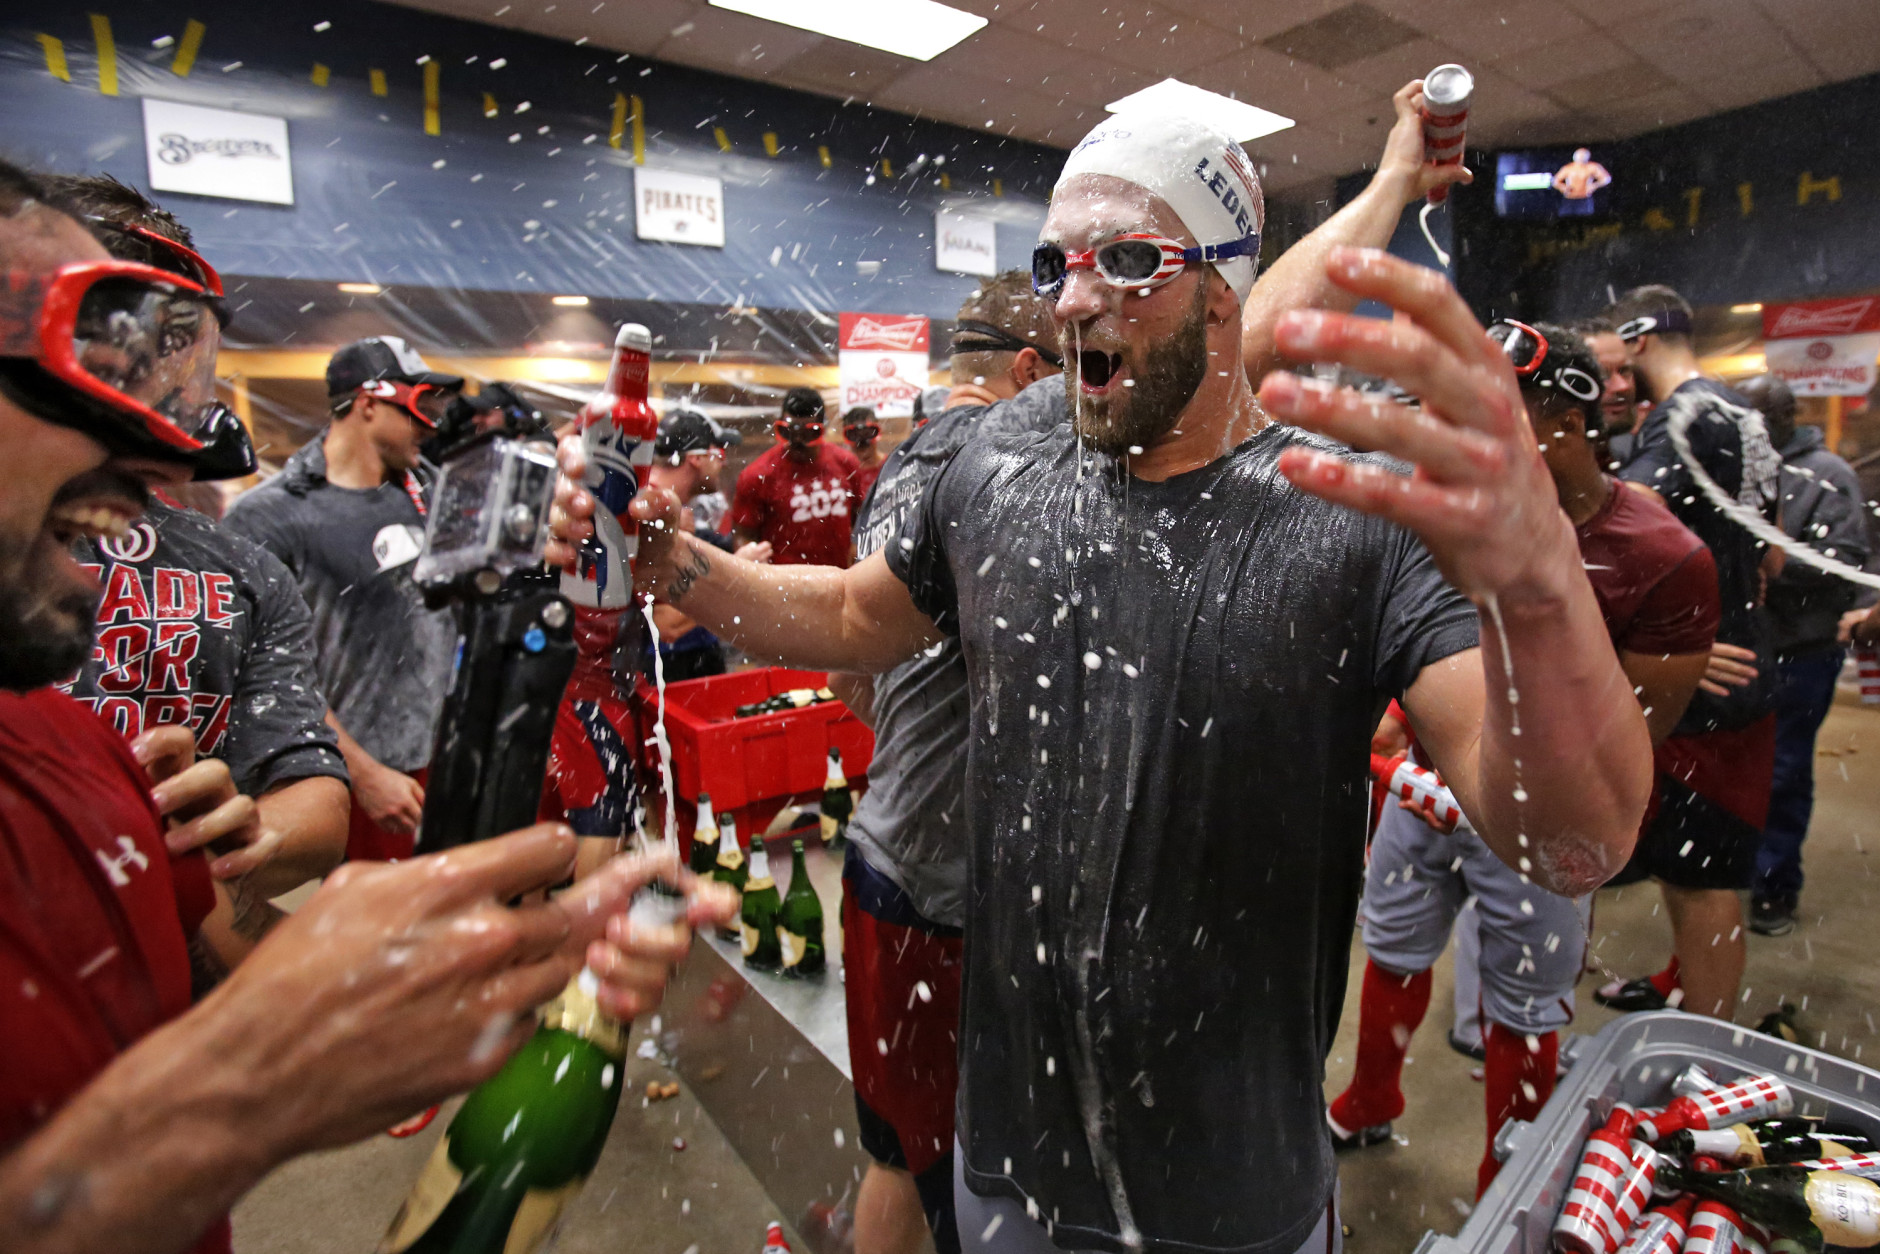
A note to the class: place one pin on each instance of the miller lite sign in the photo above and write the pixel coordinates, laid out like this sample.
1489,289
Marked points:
882,362
1824,347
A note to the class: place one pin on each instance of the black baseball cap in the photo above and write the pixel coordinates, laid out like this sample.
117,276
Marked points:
688,431
381,357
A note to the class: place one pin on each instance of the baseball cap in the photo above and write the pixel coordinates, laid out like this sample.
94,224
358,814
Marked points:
381,357
688,431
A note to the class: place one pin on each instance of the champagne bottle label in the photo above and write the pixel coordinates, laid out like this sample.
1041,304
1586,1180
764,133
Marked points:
576,1011
437,1184
731,860
748,937
1846,1208
793,946
537,1216
1833,1149
829,828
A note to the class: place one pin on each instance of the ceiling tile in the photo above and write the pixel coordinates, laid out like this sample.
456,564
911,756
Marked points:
1841,37
1388,71
1333,40
844,69
1254,20
1749,85
1544,65
1291,88
719,39
1666,107
1503,28
1605,89
1504,112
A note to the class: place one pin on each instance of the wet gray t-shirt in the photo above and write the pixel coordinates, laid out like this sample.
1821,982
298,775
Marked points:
1173,688
384,659
911,823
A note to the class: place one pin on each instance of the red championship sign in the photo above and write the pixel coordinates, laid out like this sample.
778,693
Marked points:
882,361
1824,347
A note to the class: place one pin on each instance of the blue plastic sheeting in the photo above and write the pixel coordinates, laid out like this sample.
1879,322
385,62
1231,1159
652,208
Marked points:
532,201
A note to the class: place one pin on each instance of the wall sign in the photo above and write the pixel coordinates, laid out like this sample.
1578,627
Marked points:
679,208
882,362
1824,347
217,152
964,244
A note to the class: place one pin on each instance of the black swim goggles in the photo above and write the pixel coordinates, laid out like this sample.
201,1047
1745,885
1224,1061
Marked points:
973,336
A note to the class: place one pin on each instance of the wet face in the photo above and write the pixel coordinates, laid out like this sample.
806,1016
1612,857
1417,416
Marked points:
59,489
395,434
1617,402
1132,361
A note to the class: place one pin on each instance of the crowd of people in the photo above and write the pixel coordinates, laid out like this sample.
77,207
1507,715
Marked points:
1125,612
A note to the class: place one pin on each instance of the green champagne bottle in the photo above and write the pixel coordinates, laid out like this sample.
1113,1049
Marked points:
704,857
838,804
800,920
729,867
523,1142
757,920
1803,1209
1768,1142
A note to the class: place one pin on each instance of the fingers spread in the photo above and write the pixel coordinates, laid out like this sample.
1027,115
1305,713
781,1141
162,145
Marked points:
1448,453
500,869
1420,504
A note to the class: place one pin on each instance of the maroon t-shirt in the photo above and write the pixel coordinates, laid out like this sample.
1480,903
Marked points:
1655,581
802,508
93,910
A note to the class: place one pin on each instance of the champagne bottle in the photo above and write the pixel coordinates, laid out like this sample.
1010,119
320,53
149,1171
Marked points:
704,838
800,920
1767,1142
789,699
838,803
729,868
1756,1097
524,1140
757,920
1807,1208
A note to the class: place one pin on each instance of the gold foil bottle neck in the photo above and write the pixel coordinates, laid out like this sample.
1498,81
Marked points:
576,1010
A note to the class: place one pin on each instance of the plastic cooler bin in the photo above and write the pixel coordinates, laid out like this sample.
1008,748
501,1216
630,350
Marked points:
752,767
1634,1060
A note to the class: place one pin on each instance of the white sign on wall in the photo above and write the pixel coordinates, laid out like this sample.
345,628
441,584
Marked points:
882,361
679,208
964,244
217,152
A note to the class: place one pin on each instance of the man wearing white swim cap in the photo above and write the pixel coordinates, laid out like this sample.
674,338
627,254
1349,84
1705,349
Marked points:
1180,621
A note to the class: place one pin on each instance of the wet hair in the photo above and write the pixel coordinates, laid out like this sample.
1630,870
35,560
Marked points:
1653,298
1777,403
1597,324
1006,301
1565,348
802,402
19,188
102,196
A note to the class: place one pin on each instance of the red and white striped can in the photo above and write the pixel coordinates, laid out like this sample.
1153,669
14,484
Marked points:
1609,1190
1864,1165
1717,1229
1422,788
1446,93
1867,667
1759,1097
1662,1229
1694,1081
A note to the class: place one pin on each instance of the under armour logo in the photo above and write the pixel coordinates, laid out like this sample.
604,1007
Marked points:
114,867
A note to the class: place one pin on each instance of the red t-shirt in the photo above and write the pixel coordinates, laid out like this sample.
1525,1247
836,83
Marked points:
865,478
802,508
1655,581
93,910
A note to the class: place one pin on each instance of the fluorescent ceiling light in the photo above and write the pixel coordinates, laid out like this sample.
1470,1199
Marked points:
361,289
1538,181
1754,306
1242,120
921,29
572,302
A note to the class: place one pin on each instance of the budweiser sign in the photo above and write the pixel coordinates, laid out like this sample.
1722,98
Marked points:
886,332
1816,318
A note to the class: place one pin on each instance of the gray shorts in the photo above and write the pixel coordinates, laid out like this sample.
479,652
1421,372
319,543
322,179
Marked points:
998,1225
1533,941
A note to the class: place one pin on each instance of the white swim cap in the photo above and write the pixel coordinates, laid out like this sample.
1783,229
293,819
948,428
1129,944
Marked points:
1196,167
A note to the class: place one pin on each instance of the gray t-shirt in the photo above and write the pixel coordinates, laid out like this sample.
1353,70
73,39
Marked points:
911,823
198,626
1173,691
384,660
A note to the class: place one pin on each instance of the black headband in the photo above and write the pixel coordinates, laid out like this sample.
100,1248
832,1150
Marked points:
1665,322
983,337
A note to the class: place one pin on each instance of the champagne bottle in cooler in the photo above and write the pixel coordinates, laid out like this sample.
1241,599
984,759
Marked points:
729,867
757,919
523,1142
800,920
838,803
704,855
1756,1097
1767,1142
1803,1208
1867,1165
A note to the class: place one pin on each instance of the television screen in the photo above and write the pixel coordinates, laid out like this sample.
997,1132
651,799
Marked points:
1551,183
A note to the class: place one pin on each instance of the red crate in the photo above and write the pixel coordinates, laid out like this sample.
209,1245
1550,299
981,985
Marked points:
752,767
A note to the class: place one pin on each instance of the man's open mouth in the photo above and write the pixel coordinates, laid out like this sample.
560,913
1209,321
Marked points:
1096,370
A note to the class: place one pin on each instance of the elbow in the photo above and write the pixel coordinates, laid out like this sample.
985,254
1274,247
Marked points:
1575,862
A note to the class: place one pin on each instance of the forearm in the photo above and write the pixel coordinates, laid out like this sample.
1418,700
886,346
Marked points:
147,1156
358,761
1297,280
311,816
1565,762
857,692
800,615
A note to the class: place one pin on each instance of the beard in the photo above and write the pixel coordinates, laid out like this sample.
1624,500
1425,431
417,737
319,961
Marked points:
1167,378
45,621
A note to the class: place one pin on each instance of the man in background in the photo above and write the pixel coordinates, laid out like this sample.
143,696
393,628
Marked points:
346,515
862,430
1821,507
799,494
1620,415
201,628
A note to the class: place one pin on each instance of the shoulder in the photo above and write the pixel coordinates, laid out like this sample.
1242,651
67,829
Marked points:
50,721
1655,538
843,458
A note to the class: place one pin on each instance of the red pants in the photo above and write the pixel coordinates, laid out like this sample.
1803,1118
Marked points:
366,841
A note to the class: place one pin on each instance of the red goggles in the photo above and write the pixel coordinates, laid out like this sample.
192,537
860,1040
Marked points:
424,401
809,428
862,432
184,259
139,342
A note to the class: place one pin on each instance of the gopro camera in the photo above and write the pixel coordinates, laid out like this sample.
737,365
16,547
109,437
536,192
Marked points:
489,514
